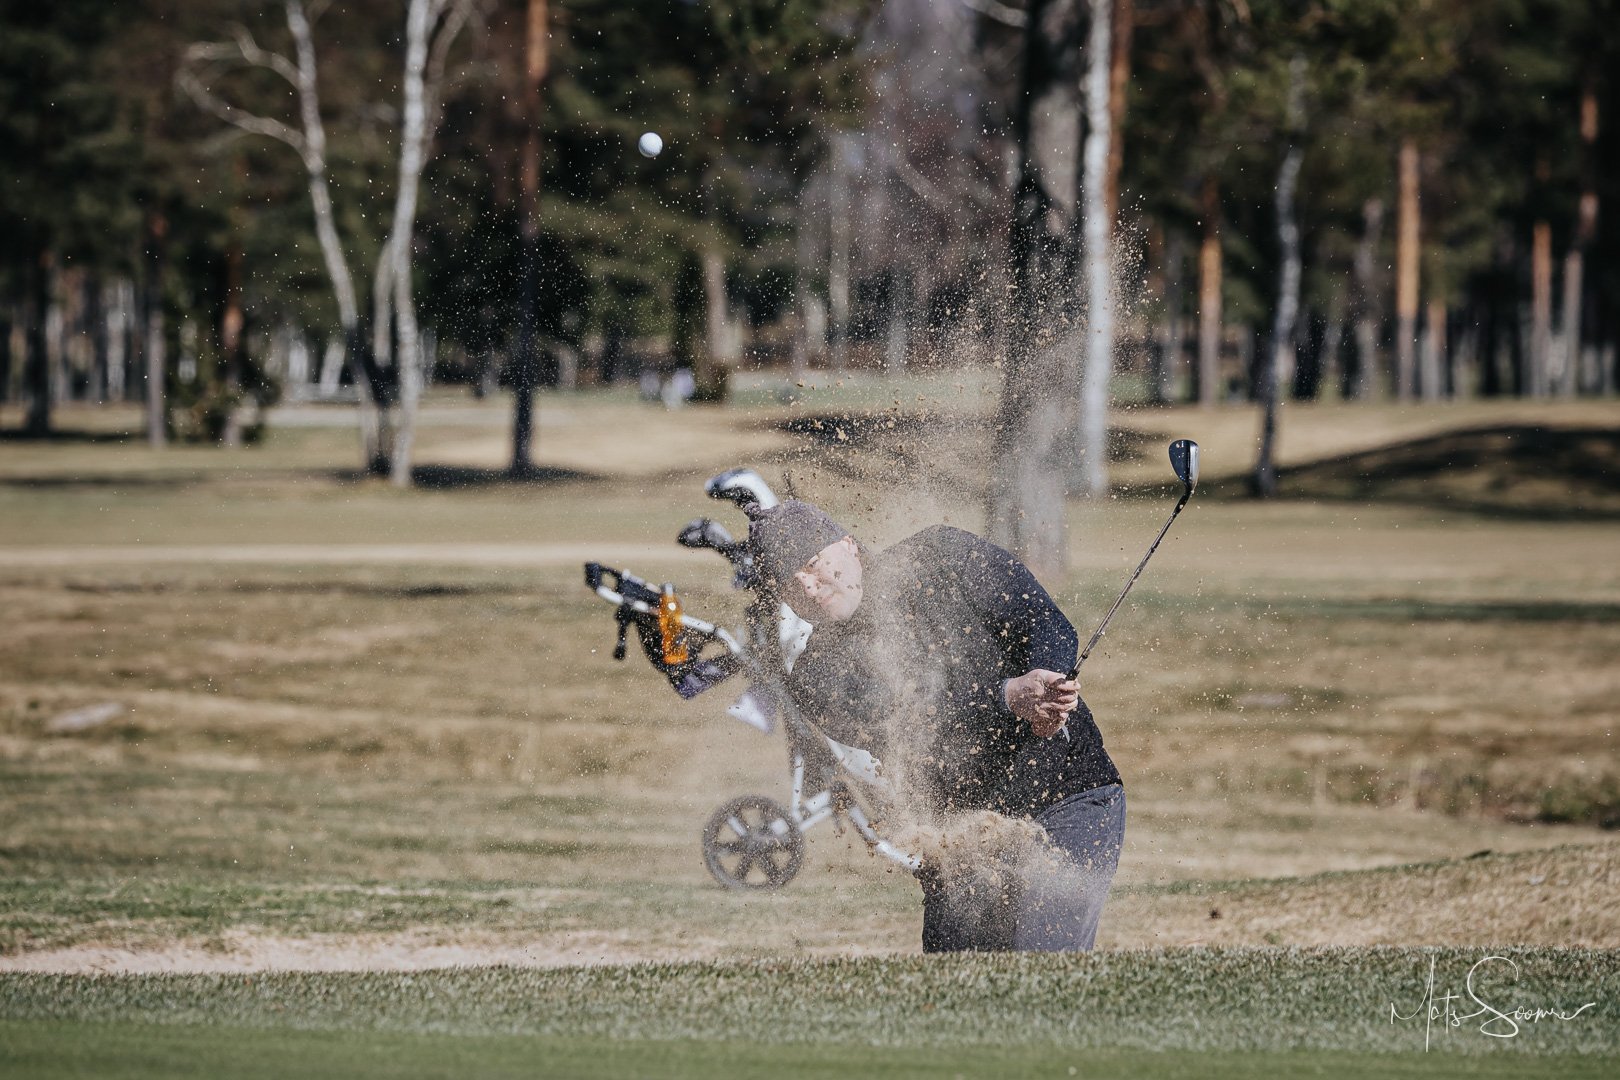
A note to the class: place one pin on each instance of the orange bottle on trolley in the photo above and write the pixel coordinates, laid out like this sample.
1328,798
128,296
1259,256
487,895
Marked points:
669,627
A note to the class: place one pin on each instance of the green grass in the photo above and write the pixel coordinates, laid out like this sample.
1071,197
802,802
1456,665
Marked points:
1156,1013
47,1051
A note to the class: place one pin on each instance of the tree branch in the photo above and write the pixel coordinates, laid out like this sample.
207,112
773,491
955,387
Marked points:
194,88
273,61
919,184
438,54
1001,13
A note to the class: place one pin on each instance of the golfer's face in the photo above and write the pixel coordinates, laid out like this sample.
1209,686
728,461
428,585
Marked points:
830,584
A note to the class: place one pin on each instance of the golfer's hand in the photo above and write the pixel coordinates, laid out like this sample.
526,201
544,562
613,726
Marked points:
1044,698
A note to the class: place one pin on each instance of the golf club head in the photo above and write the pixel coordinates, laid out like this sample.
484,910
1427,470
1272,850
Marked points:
704,533
1184,459
741,487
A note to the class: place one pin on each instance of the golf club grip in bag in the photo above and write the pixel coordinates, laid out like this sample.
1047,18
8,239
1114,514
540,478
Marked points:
637,604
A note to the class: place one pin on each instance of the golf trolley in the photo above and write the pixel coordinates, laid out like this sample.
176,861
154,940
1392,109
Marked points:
751,841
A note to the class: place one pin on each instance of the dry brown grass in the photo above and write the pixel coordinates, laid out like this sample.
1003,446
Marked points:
1560,897
1295,688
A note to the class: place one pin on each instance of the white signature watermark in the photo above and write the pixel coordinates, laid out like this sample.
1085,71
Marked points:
1447,1009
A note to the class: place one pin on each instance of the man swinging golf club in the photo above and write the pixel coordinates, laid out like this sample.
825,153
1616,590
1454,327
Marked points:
965,622
982,649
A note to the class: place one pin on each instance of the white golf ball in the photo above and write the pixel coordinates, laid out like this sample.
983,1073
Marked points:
650,144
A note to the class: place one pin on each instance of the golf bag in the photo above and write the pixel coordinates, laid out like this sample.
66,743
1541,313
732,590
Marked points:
672,643
751,841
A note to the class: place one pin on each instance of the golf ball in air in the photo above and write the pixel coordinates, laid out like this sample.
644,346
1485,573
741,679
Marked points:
650,144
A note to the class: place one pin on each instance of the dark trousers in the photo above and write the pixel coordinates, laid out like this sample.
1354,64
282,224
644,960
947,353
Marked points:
1057,893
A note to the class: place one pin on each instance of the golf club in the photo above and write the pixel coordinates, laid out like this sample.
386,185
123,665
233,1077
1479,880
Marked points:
741,487
704,533
1183,459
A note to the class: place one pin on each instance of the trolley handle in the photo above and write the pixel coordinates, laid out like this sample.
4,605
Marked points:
633,597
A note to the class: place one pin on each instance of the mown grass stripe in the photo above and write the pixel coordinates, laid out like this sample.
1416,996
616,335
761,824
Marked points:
1238,1000
50,1050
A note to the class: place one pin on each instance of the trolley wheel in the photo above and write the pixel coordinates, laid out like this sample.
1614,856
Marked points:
752,843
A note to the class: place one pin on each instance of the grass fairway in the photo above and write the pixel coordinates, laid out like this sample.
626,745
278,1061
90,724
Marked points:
1241,1012
1144,1014
125,1052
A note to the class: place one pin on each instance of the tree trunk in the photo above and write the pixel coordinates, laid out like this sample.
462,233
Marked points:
56,335
488,375
1575,260
1569,335
1462,363
1406,271
804,342
1030,454
897,346
382,308
1497,307
1432,384
5,352
402,236
838,211
1540,309
1099,258
1122,31
717,322
1330,377
1264,482
120,320
372,388
567,366
1167,371
314,132
157,417
231,323
1369,374
720,321
37,366
334,359
1209,298
525,365
95,329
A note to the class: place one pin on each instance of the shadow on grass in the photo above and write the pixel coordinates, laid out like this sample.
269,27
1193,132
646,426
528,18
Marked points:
867,431
459,477
877,448
110,481
12,435
1416,610
1512,471
281,587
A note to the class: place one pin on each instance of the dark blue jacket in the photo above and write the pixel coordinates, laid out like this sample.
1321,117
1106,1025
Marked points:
945,619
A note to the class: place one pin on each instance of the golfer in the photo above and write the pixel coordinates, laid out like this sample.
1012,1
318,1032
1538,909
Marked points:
956,636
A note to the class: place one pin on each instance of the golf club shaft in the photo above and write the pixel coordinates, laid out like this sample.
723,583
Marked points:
1074,671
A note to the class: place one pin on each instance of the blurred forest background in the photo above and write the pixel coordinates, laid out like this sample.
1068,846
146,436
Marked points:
211,206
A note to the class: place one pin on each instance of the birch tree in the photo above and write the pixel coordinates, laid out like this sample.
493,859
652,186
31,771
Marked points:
1099,257
431,28
1264,480
205,60
1365,301
536,66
